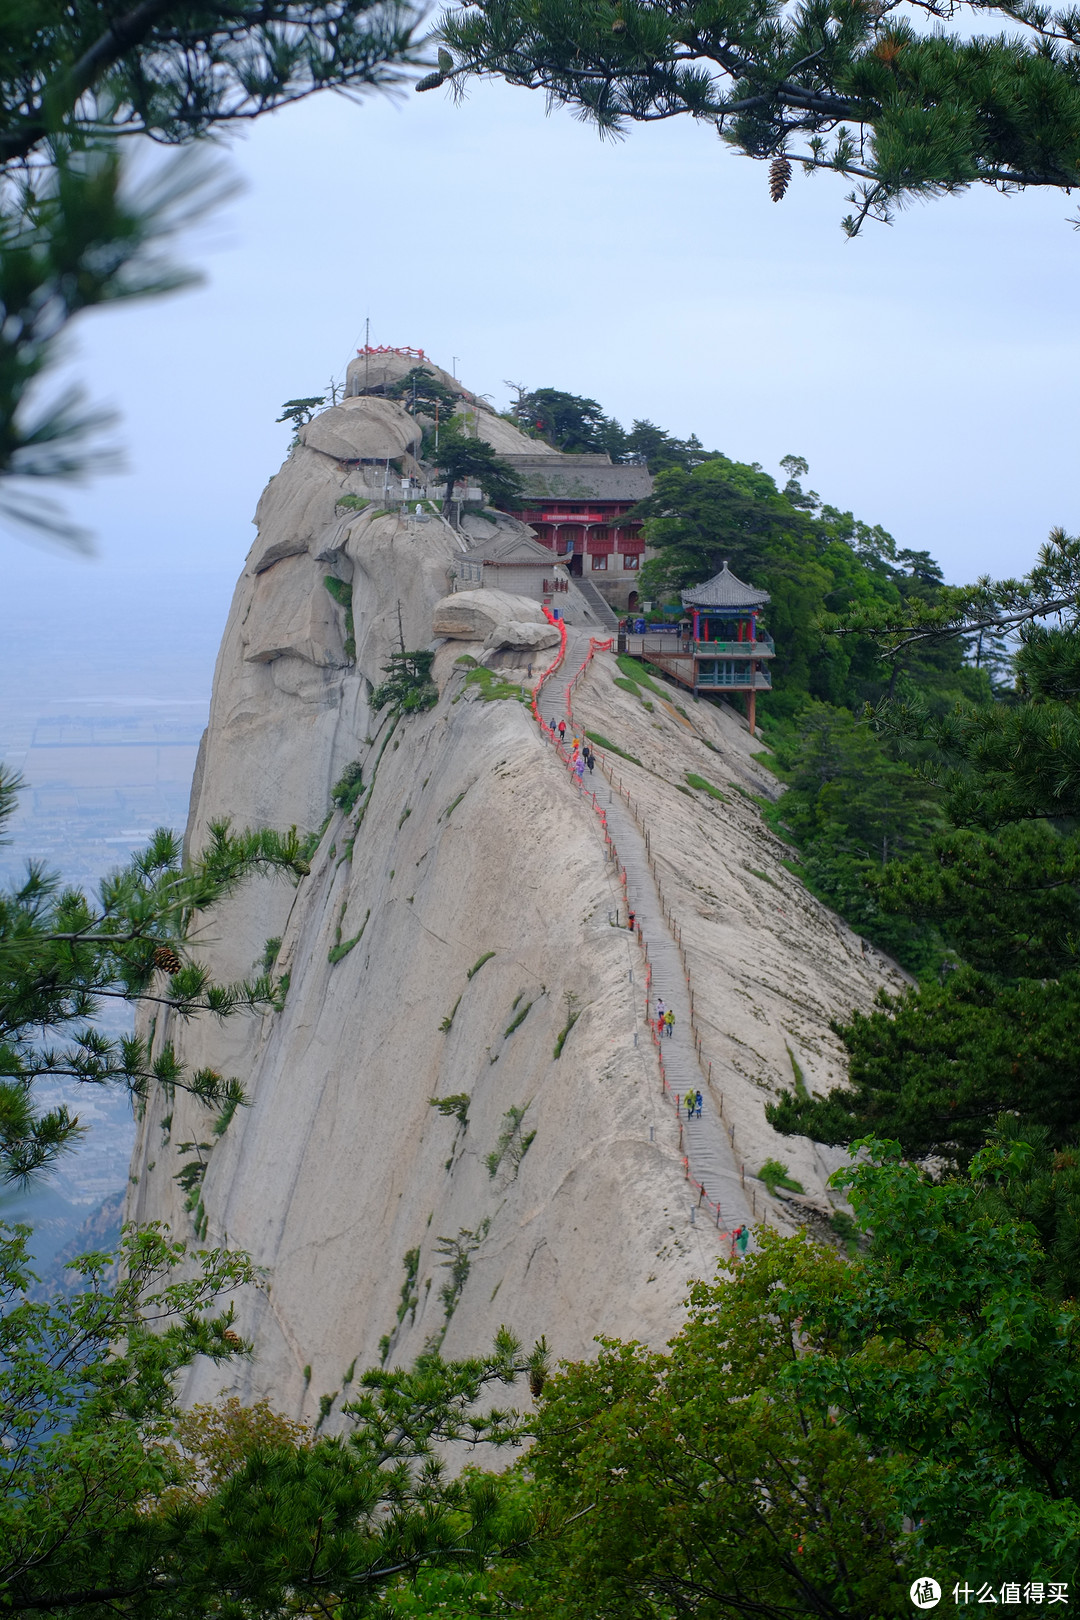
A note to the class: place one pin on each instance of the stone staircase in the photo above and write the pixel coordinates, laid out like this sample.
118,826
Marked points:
705,1142
600,608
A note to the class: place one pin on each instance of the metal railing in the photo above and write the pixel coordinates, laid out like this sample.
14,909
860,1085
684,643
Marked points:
712,1205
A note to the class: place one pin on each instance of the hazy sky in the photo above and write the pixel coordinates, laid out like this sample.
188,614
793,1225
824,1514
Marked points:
927,372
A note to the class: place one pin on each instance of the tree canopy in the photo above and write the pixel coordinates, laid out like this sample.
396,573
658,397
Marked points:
459,458
76,232
999,883
63,953
908,103
114,1501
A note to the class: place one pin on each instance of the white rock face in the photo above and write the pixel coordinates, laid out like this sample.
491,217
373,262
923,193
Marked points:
376,370
453,922
503,436
367,429
289,616
528,637
473,615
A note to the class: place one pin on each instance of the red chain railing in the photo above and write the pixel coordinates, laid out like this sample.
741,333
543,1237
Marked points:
673,1098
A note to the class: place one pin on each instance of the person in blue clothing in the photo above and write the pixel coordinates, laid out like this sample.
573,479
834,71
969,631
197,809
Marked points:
697,1110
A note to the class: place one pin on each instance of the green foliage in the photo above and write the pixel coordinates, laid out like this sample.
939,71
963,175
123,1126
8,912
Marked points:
225,1118
573,1013
774,1174
852,808
567,422
447,1022
574,424
342,947
452,806
421,392
478,964
75,234
518,1019
703,786
298,412
909,1409
490,685
937,1066
77,231
341,591
512,1144
455,1107
814,560
408,687
903,112
611,748
988,1039
409,1298
352,503
87,1392
349,786
63,953
637,673
457,1253
628,685
823,1428
459,458
270,953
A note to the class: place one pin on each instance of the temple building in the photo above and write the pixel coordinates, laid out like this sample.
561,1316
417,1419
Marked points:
577,506
721,646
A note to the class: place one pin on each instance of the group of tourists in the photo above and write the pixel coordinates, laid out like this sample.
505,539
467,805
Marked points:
582,757
692,1103
665,1020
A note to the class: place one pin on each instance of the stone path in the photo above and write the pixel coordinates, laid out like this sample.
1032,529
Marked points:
705,1140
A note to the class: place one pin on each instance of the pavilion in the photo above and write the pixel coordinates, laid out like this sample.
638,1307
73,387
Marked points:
721,645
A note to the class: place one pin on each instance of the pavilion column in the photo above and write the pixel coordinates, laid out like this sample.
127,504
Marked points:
751,702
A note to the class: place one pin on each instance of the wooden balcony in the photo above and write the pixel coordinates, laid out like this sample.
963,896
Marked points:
687,670
642,645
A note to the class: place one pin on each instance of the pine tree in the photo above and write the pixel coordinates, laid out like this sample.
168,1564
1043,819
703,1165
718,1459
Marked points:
856,89
75,231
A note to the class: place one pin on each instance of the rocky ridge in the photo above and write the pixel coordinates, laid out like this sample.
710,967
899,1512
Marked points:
457,940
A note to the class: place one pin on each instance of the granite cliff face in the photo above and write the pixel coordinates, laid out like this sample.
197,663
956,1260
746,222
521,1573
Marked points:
457,918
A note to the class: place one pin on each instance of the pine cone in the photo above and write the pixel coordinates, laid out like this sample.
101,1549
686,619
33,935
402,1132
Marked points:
430,81
233,1340
779,178
537,1379
619,26
167,960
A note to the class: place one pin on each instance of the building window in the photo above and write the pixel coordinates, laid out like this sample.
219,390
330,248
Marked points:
630,561
599,563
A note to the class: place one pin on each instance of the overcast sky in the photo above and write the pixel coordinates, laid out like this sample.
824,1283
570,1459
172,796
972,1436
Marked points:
927,371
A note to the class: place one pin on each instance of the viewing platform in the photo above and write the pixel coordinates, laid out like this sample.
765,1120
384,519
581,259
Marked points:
699,673
718,646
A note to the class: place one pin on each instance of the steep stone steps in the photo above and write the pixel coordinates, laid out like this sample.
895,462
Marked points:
600,607
705,1140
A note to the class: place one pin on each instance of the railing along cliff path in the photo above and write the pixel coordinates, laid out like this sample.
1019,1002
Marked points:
707,1144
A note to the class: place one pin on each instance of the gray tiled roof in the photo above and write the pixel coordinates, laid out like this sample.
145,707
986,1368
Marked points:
573,478
517,548
724,590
